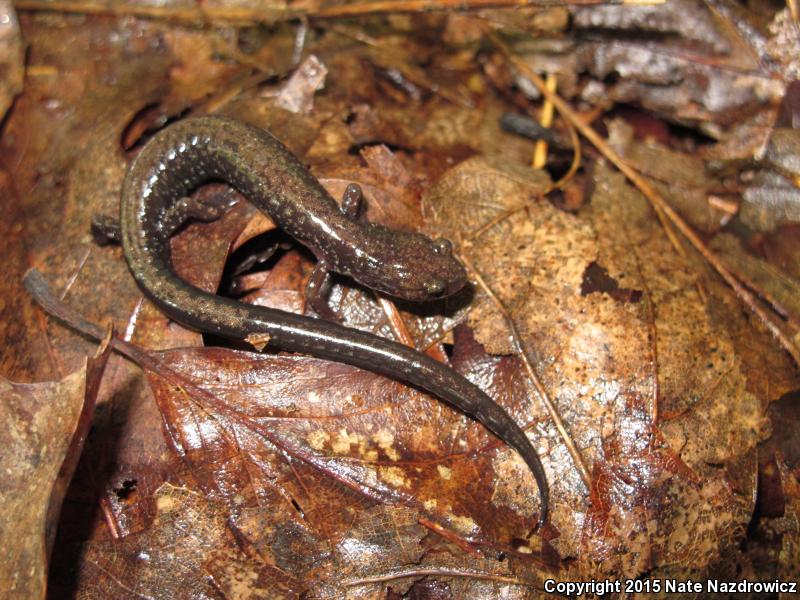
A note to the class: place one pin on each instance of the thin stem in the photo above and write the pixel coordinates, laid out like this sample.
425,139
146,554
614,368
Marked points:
545,397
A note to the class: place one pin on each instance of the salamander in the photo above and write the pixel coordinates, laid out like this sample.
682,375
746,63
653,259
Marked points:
402,264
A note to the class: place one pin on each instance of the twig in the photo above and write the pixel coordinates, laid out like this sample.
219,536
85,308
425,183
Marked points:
576,158
190,15
385,6
200,14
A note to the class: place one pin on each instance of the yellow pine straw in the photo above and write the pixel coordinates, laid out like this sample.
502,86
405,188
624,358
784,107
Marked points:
546,121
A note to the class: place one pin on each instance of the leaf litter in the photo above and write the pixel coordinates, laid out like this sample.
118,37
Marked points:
271,475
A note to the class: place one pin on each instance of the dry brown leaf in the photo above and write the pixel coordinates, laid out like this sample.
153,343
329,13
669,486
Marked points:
681,177
779,287
469,197
773,197
336,427
691,62
45,425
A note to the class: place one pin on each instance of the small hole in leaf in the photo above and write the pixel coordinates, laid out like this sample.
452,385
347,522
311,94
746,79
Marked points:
127,489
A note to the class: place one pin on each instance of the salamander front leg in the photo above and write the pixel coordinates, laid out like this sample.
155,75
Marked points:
319,284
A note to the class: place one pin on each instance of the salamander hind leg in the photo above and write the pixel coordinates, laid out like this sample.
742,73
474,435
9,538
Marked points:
352,200
317,288
197,208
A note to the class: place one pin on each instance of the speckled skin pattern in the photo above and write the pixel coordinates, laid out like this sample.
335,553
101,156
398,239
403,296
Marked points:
407,265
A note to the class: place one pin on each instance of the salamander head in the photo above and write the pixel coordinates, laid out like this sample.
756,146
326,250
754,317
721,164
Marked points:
411,266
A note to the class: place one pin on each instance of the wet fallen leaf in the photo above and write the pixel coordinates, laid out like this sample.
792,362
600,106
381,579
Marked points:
779,287
340,425
660,431
681,177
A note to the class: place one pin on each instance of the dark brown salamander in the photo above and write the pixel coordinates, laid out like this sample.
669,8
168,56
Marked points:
406,265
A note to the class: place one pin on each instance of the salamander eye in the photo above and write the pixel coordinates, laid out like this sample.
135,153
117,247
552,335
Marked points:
442,246
434,287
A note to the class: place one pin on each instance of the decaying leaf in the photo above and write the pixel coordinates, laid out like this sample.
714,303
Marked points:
695,63
778,286
682,178
305,421
773,199
189,551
